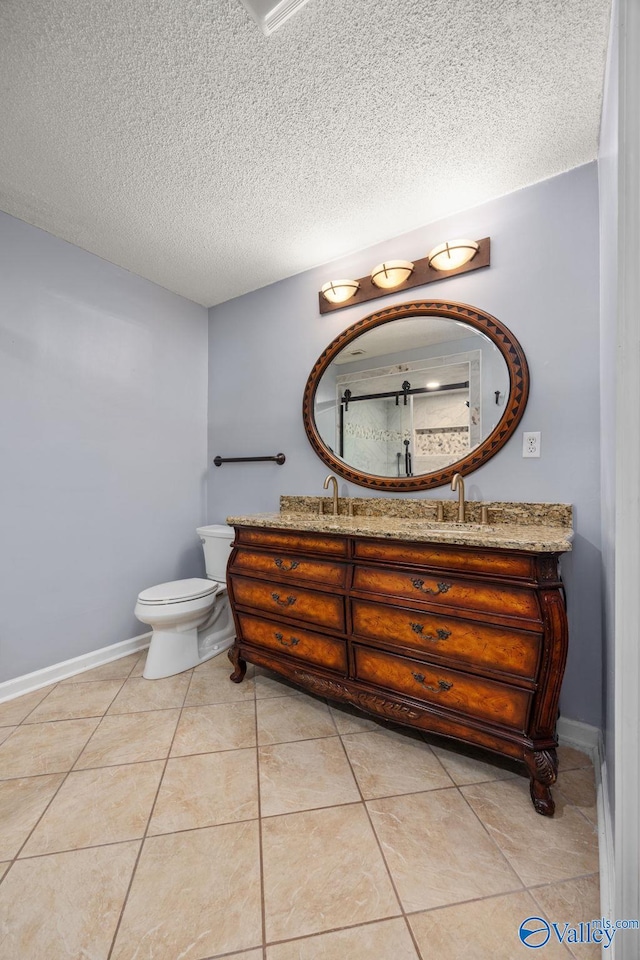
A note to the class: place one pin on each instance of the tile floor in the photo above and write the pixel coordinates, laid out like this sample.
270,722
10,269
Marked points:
194,818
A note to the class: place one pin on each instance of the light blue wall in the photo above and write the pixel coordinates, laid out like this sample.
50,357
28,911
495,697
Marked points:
103,397
543,284
608,185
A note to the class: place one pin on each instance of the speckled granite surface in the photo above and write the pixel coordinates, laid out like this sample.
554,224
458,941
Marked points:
545,528
404,508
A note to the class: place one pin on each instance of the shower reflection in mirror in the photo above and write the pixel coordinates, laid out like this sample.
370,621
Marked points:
432,424
407,412
393,426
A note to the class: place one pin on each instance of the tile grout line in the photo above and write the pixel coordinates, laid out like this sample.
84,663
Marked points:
452,785
66,683
229,955
93,716
486,830
436,757
384,859
405,913
322,933
73,768
257,700
544,912
41,700
133,763
146,831
263,907
109,843
38,821
361,803
66,776
62,719
346,803
72,681
525,886
578,876
553,883
577,808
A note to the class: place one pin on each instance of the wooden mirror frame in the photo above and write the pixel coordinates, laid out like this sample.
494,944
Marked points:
515,404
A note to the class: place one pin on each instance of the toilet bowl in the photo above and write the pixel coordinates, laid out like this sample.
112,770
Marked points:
190,619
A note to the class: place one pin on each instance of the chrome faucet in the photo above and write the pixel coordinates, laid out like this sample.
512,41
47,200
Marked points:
457,483
328,480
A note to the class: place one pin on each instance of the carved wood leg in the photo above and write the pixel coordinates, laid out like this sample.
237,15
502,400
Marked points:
543,771
240,665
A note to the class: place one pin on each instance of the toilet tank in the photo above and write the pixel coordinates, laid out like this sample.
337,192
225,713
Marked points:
216,543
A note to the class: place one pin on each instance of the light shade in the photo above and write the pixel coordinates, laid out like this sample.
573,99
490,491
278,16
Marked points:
391,273
337,291
452,254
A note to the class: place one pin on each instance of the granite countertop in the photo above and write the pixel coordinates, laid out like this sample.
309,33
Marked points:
529,533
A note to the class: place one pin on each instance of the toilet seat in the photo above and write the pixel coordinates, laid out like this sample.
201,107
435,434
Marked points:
178,591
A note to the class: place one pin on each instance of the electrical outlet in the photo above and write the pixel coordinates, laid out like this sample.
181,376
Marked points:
531,444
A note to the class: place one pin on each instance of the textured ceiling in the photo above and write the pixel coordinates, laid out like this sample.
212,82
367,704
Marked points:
178,141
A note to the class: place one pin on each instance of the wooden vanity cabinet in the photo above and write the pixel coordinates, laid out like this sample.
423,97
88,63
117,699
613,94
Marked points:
465,642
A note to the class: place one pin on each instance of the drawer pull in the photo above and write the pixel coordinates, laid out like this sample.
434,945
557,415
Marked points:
443,685
439,635
442,587
282,565
292,642
289,602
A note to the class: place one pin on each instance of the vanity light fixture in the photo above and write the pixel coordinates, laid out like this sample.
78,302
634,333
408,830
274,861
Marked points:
339,291
452,254
445,261
391,273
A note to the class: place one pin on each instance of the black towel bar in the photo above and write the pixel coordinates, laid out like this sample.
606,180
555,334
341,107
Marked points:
279,458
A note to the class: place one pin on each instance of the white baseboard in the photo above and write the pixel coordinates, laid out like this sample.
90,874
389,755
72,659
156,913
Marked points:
605,843
69,668
573,733
589,739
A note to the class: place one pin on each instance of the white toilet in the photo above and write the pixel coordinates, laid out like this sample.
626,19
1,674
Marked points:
191,619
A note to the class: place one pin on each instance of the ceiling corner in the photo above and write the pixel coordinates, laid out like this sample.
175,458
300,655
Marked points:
269,15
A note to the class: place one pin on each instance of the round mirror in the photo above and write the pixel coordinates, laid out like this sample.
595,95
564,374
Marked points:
410,395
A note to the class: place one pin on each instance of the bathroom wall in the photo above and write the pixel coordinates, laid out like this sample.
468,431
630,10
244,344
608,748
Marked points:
103,397
608,195
543,284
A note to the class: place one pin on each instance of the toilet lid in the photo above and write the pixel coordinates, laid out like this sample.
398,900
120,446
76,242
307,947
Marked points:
178,590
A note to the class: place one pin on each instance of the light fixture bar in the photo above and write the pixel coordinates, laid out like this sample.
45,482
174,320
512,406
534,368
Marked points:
422,274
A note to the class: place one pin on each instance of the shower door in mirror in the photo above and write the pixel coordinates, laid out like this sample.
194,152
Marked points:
410,395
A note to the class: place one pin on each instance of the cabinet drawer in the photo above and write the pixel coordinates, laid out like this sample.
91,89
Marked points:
294,603
511,651
293,541
473,696
310,647
287,567
448,591
491,562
